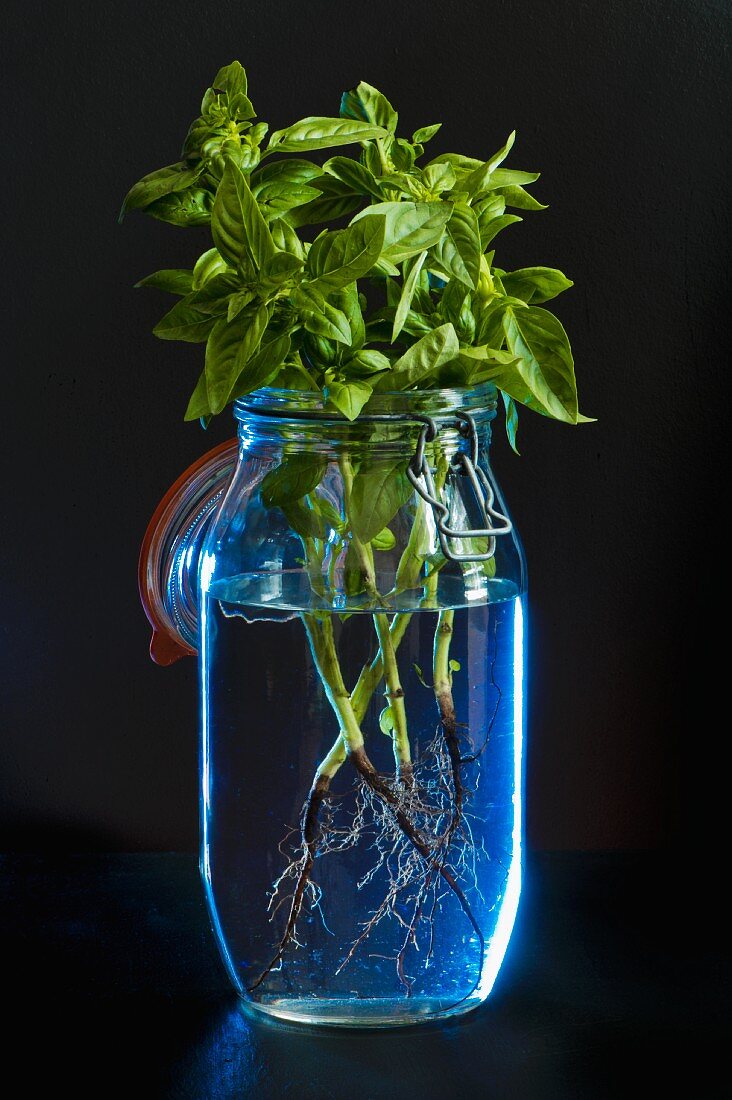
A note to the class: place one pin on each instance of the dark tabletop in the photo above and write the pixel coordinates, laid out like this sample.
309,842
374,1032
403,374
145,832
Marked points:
614,985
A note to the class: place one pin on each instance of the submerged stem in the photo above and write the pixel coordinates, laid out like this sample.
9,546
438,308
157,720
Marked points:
367,683
395,695
442,679
322,643
441,653
371,674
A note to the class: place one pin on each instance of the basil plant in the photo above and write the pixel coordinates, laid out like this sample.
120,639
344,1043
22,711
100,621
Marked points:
345,261
406,295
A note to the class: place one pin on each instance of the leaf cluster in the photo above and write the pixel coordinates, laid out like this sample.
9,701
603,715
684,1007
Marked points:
355,274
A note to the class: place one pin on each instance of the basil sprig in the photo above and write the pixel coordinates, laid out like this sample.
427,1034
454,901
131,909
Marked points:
401,293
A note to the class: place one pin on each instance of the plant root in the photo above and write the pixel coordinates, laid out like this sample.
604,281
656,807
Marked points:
309,835
429,850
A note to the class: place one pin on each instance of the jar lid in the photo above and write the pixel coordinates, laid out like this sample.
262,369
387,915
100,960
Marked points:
171,552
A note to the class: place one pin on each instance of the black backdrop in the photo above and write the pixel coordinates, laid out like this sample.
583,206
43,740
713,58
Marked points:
621,106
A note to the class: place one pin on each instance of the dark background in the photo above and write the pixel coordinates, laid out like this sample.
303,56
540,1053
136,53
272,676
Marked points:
621,106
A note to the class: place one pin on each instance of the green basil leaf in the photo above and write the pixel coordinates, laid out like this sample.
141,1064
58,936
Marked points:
489,323
286,239
408,184
481,363
380,489
490,207
425,133
340,257
240,109
466,324
544,379
353,578
458,251
262,368
387,722
385,540
422,297
384,267
371,158
329,512
319,316
297,475
347,301
187,208
276,198
284,184
366,362
232,79
410,570
480,178
176,177
403,154
438,177
332,205
536,284
349,397
354,174
198,406
320,352
213,297
305,519
239,231
520,199
293,172
206,266
210,105
410,226
281,267
422,360
316,132
183,322
172,280
492,227
230,346
462,165
511,420
237,301
506,177
452,301
200,131
379,327
367,103
393,292
405,299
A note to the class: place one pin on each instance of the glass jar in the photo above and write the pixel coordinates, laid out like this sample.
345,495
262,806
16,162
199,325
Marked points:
360,593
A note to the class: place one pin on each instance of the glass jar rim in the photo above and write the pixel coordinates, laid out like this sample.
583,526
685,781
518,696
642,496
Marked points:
287,404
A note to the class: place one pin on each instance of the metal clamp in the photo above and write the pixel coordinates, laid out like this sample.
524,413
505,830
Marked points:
419,471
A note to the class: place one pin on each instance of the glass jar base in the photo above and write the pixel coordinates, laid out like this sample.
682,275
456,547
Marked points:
364,1013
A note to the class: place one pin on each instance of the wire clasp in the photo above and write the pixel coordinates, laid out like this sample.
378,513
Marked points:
420,475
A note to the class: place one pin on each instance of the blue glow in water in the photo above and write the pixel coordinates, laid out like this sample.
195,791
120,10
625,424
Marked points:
266,726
